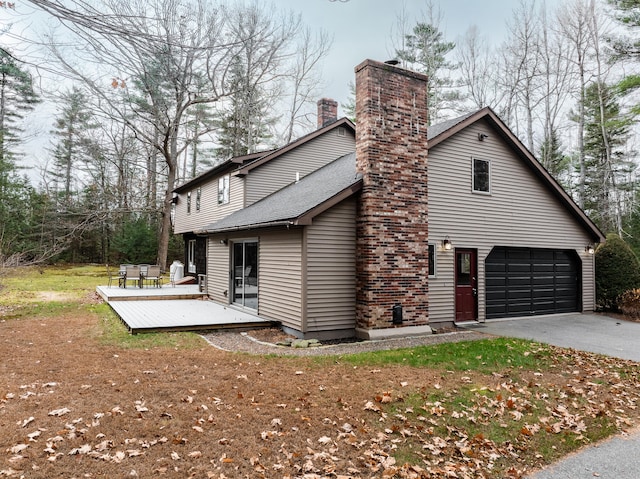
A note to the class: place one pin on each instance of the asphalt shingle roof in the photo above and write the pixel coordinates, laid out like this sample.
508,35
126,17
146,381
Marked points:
293,201
435,130
286,205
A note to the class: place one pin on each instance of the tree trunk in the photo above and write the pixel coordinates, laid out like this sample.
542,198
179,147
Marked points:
165,216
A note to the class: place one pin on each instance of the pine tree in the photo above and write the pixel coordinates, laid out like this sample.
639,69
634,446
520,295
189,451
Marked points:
607,166
17,97
349,107
553,159
70,128
426,50
625,47
245,120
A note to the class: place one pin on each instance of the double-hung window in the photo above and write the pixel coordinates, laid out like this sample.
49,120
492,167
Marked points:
481,176
223,190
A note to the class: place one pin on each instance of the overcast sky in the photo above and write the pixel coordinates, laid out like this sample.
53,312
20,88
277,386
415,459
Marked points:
361,29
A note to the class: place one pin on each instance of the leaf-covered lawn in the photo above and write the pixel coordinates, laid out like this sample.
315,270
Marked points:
76,400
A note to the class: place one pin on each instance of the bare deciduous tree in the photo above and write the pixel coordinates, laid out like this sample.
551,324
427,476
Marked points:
521,63
573,21
167,56
478,67
303,80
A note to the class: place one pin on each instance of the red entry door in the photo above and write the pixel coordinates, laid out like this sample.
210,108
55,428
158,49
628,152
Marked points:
466,285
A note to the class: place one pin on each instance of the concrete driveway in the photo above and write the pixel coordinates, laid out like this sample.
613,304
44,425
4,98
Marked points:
588,332
616,458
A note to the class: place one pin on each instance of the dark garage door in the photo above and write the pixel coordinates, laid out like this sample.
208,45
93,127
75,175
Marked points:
529,281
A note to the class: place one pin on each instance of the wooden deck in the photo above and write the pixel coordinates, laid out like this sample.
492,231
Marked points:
114,293
179,308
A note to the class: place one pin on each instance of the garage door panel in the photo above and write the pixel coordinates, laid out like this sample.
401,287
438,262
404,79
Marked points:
519,283
529,281
518,294
542,293
540,280
540,268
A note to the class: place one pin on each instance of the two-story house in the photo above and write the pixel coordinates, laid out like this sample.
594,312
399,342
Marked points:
389,228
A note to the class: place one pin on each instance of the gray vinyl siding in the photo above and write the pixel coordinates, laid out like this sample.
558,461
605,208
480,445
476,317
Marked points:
279,273
519,211
280,277
331,269
218,262
210,210
304,159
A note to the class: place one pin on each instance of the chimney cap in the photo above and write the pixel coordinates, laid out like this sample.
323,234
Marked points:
393,61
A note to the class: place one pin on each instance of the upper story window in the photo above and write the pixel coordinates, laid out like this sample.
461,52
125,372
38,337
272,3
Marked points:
223,190
198,198
481,176
189,203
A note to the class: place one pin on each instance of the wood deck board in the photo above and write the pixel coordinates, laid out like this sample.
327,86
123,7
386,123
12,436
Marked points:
115,293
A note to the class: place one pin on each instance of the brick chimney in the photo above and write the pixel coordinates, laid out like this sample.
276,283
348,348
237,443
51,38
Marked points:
327,111
392,222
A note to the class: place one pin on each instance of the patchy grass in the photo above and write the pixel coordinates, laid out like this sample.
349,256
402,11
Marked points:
485,356
34,291
80,397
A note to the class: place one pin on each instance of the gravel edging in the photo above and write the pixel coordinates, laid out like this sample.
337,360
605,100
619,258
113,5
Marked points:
244,343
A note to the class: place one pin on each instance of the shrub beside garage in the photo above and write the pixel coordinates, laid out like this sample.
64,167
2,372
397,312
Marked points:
617,272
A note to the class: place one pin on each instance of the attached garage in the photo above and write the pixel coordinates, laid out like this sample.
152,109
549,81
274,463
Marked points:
531,281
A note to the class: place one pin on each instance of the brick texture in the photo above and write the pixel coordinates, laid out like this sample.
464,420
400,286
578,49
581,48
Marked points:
392,219
327,111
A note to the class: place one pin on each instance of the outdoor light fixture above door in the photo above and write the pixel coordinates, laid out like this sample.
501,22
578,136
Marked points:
446,244
589,249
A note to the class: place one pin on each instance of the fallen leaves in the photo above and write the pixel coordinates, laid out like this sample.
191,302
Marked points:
238,419
60,412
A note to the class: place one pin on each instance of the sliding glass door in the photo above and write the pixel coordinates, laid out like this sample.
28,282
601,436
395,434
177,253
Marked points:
245,273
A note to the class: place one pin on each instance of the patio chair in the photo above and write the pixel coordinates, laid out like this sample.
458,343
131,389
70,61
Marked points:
132,273
153,275
113,276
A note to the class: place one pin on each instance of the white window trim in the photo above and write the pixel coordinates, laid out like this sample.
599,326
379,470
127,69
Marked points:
473,174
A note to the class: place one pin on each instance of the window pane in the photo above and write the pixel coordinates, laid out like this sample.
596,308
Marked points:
480,175
188,202
191,267
432,260
463,269
223,190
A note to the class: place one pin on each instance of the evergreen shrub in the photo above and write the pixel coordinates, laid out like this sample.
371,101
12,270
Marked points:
617,271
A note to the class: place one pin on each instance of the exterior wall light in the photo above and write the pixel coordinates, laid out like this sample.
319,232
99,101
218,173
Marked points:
589,249
446,244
